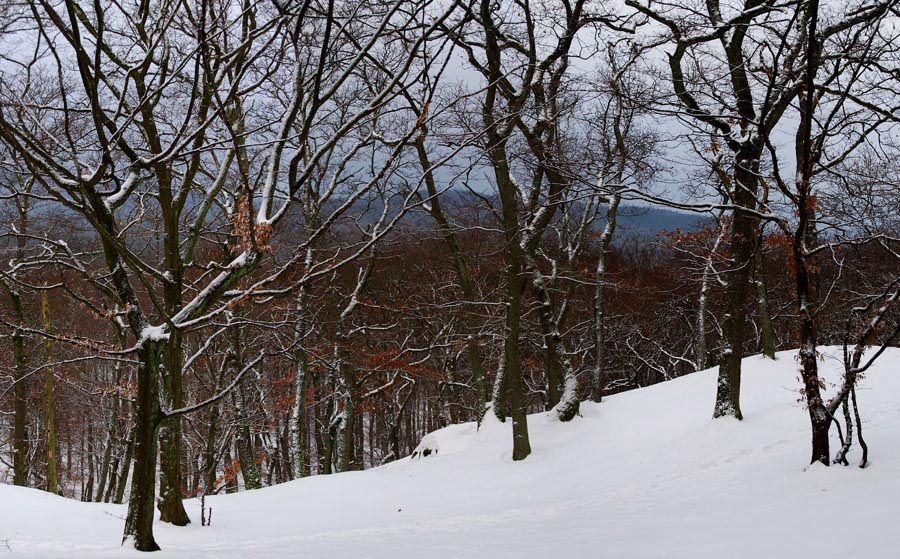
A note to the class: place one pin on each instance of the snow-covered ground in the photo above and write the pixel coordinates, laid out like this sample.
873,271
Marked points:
644,474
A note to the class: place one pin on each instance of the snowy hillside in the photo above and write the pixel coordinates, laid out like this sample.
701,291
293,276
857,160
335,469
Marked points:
644,474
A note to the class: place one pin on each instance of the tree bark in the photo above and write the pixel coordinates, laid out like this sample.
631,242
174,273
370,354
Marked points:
49,416
598,380
703,301
171,507
766,331
513,369
20,395
110,460
139,520
563,398
743,246
88,494
210,458
819,417
122,482
348,418
499,400
297,425
243,443
550,338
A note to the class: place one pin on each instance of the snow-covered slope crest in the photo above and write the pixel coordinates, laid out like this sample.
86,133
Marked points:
644,474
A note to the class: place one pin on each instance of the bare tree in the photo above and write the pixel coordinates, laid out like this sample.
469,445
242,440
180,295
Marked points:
741,110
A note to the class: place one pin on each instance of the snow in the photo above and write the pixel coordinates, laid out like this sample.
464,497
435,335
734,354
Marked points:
428,447
154,333
644,474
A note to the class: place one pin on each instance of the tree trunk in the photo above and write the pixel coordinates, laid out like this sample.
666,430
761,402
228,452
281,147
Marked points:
113,481
819,416
298,411
598,380
110,463
243,443
171,507
812,384
743,246
703,301
231,485
49,416
210,458
499,400
515,286
766,331
20,394
88,494
126,467
298,421
139,521
105,463
324,428
20,379
513,369
549,336
348,420
562,383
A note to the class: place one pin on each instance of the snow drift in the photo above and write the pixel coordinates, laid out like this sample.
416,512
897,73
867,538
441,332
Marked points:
644,474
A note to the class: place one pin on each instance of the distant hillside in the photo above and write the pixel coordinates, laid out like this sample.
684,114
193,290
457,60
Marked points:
645,221
633,220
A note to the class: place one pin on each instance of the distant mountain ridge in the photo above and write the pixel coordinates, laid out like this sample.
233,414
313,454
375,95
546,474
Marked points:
632,220
648,221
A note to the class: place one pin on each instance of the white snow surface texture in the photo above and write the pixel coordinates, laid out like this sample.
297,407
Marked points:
644,474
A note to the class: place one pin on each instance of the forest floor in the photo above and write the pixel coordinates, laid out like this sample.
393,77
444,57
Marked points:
644,474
